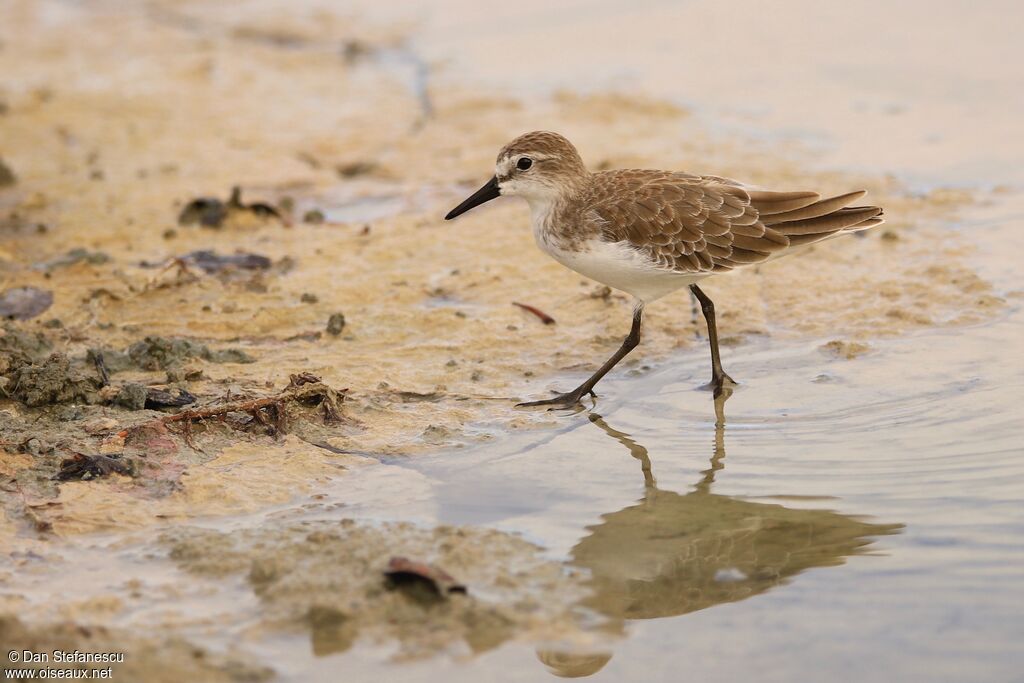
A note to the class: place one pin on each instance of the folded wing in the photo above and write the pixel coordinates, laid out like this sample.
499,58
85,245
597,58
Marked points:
693,224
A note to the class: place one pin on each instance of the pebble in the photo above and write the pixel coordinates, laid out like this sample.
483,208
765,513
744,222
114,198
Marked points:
336,323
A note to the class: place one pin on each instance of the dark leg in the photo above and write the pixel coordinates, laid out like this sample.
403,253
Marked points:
574,396
718,376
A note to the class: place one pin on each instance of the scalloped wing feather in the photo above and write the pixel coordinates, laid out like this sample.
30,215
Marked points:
694,224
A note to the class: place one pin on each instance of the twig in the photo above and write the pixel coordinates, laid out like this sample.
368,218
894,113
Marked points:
544,317
304,387
224,409
101,367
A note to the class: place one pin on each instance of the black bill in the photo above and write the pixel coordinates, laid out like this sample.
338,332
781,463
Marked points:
484,194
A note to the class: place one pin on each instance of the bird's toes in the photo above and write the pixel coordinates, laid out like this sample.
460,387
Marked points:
560,401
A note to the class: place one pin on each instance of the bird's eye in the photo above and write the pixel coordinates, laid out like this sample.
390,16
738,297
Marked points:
524,163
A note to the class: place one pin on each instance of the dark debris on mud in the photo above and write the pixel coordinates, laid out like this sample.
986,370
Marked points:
421,581
211,262
82,466
210,212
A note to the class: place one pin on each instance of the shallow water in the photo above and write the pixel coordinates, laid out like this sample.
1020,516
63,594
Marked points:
897,550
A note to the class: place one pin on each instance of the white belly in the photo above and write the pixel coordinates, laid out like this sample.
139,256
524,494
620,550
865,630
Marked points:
619,265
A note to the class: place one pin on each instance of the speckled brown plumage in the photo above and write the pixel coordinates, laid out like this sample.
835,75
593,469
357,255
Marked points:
682,222
694,224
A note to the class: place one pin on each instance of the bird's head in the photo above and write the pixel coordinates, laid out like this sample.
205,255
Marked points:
539,167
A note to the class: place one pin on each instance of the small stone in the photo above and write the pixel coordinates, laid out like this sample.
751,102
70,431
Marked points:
193,373
33,446
309,298
131,396
313,216
336,323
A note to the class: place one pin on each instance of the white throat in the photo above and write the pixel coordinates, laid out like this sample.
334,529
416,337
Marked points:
542,211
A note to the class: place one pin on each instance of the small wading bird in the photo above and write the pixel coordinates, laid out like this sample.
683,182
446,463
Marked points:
649,233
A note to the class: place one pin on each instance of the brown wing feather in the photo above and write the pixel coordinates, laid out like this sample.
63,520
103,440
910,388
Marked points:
694,224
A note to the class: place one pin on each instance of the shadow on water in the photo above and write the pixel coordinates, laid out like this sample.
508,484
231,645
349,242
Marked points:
675,553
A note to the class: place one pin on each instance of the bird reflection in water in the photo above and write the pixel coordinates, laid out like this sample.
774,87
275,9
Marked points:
671,553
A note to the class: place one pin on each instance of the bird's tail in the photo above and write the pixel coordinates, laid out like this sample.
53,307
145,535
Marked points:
805,218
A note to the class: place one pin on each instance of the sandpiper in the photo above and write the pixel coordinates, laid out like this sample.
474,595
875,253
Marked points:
649,233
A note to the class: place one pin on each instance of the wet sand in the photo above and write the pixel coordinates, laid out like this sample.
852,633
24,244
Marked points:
376,125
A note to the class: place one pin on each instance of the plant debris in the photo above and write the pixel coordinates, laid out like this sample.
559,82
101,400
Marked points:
544,317
301,378
211,262
81,466
304,388
95,356
211,212
418,578
160,398
24,303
